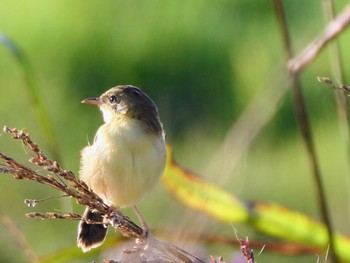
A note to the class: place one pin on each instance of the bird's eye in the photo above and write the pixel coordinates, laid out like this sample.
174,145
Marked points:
113,99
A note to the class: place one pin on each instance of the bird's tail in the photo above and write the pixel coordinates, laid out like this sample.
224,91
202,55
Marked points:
91,235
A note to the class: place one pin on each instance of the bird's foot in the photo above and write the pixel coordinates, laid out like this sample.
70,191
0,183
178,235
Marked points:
114,218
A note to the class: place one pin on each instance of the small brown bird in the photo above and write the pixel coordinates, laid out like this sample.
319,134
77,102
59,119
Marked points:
126,159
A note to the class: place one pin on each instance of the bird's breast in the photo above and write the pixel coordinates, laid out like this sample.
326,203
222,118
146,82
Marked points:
124,162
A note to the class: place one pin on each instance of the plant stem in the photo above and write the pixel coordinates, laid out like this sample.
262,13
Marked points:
302,118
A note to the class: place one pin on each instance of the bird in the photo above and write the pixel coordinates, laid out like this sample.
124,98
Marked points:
126,159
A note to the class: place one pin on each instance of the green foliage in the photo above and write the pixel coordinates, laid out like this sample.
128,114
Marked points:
271,219
203,62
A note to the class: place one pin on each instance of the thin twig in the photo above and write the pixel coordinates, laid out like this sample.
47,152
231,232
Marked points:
53,215
305,127
344,88
336,26
246,251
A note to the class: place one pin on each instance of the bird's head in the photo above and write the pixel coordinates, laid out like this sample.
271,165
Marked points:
127,101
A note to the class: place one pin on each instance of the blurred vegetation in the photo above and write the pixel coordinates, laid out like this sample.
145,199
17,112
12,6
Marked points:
202,62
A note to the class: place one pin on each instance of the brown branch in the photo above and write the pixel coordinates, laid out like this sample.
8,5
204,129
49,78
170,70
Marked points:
332,30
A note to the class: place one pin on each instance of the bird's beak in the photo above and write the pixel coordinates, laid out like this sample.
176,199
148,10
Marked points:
94,101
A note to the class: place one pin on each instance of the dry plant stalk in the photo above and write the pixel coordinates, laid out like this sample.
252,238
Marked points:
333,29
75,187
330,82
302,115
146,247
246,251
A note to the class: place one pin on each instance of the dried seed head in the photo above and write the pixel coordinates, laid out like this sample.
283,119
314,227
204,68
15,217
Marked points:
30,202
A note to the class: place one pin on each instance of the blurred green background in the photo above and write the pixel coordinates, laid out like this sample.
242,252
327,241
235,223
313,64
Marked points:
202,62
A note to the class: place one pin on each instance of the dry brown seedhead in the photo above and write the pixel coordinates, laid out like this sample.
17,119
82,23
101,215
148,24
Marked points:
146,247
64,181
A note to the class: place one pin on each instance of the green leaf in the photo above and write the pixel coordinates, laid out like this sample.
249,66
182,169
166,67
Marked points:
290,225
271,219
199,194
